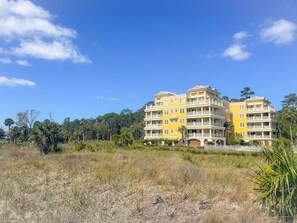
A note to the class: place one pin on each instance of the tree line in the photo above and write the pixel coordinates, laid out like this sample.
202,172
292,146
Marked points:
122,128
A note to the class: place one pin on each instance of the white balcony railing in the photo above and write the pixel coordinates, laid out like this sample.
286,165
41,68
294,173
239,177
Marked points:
154,126
153,107
154,135
198,113
257,118
191,103
153,116
205,124
259,127
204,135
265,109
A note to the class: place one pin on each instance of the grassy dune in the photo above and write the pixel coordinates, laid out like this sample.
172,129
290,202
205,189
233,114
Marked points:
117,185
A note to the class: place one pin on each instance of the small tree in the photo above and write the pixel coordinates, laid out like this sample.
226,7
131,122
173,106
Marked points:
290,114
276,180
47,135
8,122
124,139
183,130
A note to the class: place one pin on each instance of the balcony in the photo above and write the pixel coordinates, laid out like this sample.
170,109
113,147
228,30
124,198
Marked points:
153,126
265,109
204,135
260,137
204,113
153,135
205,124
153,117
153,108
264,127
258,118
200,103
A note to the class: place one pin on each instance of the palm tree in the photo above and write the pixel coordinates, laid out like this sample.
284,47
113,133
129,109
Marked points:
183,130
228,131
290,114
46,134
8,122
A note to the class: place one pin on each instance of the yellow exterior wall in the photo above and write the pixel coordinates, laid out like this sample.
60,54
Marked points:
236,120
174,116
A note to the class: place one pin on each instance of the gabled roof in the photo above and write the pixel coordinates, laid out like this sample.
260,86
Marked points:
202,88
165,93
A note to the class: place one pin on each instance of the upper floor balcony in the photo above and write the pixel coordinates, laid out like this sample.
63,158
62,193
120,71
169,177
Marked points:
153,117
195,103
153,108
153,127
259,118
259,109
205,113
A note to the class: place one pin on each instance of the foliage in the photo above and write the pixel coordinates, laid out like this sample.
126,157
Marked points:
290,100
46,135
80,145
2,133
246,93
125,138
276,180
8,122
183,130
27,118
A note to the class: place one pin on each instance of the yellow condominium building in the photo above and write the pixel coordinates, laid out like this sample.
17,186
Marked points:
201,110
254,120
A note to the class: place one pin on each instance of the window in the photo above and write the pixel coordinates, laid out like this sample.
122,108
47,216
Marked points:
166,112
166,132
166,122
166,102
241,107
176,110
241,125
241,115
171,101
182,111
182,121
182,100
242,133
171,130
171,110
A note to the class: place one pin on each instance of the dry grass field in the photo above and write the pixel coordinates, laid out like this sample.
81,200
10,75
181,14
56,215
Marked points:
118,185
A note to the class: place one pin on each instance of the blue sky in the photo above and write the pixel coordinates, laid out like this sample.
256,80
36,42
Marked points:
81,59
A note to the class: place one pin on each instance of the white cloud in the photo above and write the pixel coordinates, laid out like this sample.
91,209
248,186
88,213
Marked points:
27,28
100,97
240,35
236,52
57,50
13,82
114,99
23,63
279,32
5,60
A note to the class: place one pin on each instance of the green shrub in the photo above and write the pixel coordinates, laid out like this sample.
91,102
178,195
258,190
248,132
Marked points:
188,157
235,142
276,180
79,146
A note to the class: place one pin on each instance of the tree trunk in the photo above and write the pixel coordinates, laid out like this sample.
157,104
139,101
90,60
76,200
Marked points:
291,133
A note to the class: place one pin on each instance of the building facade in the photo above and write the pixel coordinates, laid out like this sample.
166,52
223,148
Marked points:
201,110
254,119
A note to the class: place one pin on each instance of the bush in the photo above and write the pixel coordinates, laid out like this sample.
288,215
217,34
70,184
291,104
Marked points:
235,142
276,180
79,146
